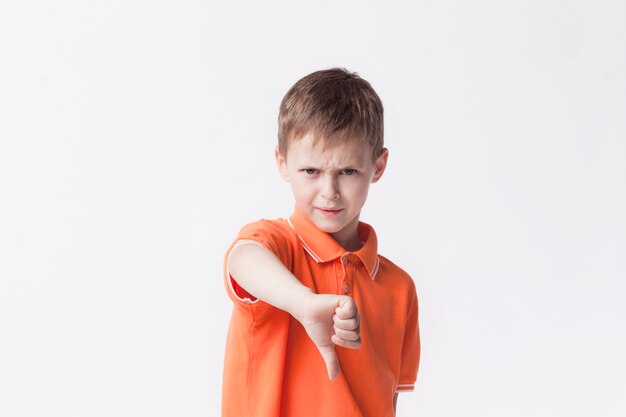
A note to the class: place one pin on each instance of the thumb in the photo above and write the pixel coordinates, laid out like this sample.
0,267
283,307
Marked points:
330,358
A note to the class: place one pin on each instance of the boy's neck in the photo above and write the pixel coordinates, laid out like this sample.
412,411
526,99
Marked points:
348,237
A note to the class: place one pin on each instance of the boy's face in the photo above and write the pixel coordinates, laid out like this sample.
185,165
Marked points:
330,184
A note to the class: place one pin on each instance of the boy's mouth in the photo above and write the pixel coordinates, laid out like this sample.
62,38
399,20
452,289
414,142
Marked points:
329,212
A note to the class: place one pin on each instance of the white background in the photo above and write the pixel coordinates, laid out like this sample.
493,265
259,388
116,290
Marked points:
137,138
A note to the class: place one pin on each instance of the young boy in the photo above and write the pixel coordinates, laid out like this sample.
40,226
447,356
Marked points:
322,325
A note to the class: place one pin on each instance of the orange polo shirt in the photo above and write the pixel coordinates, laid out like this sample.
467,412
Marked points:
271,366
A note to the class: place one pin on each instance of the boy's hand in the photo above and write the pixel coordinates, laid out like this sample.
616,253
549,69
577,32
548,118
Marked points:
331,320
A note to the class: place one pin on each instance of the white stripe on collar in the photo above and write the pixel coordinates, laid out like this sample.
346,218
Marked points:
316,258
375,270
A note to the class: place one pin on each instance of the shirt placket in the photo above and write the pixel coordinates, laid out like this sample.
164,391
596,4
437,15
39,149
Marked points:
345,285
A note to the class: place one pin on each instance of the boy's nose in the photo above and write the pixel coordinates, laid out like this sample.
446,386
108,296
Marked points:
329,189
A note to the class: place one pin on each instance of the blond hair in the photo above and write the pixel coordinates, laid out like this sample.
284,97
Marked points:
335,105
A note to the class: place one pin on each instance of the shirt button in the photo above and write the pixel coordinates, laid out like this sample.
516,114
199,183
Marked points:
345,288
344,260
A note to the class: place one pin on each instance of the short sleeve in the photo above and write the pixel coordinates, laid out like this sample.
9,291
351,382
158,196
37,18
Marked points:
410,355
267,233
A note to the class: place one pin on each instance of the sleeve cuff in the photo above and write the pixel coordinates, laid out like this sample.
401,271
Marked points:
405,387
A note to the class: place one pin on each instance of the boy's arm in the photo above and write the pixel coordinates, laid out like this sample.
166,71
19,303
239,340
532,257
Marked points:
328,319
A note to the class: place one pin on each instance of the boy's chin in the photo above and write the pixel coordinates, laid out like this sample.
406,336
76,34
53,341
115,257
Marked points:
330,226
327,226
329,230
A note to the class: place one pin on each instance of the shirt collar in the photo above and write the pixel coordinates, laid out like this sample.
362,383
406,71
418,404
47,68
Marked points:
323,248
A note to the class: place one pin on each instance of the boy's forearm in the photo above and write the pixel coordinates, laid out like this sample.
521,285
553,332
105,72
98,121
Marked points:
262,274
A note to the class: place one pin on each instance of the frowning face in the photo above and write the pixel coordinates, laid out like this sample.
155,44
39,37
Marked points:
330,183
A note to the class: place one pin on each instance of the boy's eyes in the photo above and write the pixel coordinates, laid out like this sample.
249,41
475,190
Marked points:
347,171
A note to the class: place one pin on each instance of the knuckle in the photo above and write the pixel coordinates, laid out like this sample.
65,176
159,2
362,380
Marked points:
351,309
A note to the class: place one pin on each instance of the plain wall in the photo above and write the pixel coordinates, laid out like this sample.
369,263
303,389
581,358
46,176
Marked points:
137,137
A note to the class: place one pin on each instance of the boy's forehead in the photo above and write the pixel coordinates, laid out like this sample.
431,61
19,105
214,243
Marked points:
311,147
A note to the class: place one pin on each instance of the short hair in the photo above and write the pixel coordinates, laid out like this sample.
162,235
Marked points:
335,105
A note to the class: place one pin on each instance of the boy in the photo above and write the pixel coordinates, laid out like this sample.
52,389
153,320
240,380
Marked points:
322,325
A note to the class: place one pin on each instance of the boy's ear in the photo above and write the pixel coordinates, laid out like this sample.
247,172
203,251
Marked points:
380,165
281,164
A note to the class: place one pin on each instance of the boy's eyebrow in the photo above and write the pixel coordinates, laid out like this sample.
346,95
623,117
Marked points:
348,164
338,168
